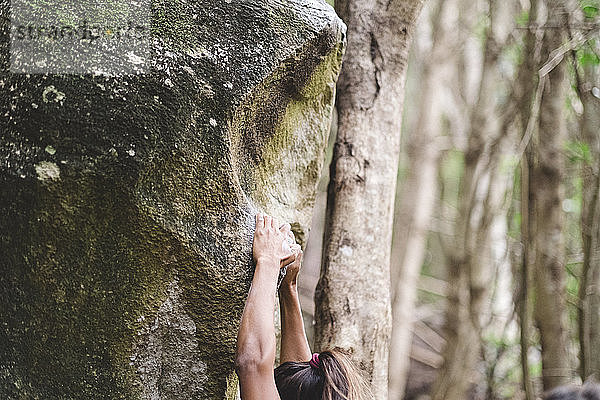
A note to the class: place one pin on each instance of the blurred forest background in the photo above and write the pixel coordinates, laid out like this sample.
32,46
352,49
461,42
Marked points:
497,212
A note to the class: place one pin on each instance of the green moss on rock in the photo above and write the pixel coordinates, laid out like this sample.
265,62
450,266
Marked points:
127,247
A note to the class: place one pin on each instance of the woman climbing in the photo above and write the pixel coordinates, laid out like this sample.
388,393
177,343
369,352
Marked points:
328,375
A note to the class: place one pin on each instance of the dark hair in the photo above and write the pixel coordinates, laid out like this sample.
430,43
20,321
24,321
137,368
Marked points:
336,378
589,391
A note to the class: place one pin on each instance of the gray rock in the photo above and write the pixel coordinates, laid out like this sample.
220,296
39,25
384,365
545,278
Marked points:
127,198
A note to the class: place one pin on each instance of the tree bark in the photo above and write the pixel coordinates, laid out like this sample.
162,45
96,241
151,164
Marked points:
353,294
546,189
526,80
523,302
589,291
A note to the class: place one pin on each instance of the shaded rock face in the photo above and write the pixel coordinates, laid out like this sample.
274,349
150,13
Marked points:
127,202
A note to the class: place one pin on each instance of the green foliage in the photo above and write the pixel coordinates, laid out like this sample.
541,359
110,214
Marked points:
586,54
515,225
586,58
590,8
590,11
578,152
513,52
535,369
522,19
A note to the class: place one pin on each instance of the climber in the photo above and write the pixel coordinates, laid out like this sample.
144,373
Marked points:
301,375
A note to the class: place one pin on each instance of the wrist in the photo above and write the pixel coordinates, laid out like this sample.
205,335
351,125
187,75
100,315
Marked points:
267,262
289,288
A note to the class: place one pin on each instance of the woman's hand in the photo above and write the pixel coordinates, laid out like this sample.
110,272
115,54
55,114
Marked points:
294,267
294,345
270,245
255,349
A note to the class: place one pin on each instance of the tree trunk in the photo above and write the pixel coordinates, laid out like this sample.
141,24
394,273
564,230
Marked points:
526,80
127,201
353,294
523,302
416,204
589,291
546,190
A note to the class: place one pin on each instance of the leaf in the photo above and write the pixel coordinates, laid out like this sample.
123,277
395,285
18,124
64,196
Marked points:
590,8
590,11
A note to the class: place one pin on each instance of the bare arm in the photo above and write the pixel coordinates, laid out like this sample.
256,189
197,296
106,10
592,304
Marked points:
255,351
294,345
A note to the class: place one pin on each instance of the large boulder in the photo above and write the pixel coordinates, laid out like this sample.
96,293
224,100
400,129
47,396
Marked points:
127,198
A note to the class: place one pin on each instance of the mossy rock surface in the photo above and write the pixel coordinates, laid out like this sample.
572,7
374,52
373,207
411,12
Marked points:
127,202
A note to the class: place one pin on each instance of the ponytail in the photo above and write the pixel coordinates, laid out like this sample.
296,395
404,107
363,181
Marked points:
329,375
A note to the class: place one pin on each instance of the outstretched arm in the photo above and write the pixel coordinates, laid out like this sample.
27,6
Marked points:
255,351
294,345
